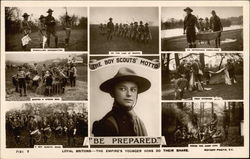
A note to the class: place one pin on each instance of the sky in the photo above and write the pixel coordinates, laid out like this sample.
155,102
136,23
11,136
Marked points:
222,12
124,15
23,57
35,12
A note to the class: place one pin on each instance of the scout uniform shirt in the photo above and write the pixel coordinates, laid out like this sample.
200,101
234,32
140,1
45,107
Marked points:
51,23
189,22
215,23
119,122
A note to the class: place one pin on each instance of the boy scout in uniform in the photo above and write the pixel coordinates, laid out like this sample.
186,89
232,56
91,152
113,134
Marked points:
51,27
190,22
67,27
215,25
25,28
110,29
21,81
32,126
42,30
122,120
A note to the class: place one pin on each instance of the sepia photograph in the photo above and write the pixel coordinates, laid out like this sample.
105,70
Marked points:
124,97
41,27
188,75
124,29
31,124
203,123
49,75
202,27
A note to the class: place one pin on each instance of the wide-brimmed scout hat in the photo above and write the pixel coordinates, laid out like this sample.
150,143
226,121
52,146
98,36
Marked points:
126,74
25,15
213,11
110,18
41,17
186,9
50,10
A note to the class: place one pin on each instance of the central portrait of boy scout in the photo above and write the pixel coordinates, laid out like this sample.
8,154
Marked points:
124,29
202,27
41,27
124,105
125,87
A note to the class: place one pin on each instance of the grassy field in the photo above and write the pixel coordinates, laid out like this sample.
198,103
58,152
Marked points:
234,91
100,45
78,41
180,43
80,92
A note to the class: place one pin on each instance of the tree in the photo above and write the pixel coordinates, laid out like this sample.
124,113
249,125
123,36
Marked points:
202,61
177,60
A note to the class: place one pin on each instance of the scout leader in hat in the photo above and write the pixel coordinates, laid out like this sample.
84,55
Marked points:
124,87
190,22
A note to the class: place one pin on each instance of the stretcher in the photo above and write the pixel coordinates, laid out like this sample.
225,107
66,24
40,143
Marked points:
206,35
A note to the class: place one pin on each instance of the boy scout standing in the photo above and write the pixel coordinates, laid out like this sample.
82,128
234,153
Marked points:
190,22
51,27
215,25
110,29
21,81
67,27
42,30
122,120
25,28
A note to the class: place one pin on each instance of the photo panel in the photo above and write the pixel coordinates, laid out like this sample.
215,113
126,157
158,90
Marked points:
191,124
186,76
115,29
124,96
46,76
46,125
38,28
202,27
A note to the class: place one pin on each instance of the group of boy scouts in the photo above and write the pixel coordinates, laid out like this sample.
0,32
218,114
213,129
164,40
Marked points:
46,28
190,76
37,123
133,31
205,133
54,78
191,23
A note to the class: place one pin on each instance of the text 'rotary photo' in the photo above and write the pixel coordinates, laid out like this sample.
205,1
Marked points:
202,27
32,124
40,27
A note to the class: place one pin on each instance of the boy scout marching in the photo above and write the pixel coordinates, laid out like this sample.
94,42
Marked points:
191,23
139,33
47,27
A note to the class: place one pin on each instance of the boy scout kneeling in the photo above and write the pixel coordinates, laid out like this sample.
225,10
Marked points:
122,120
